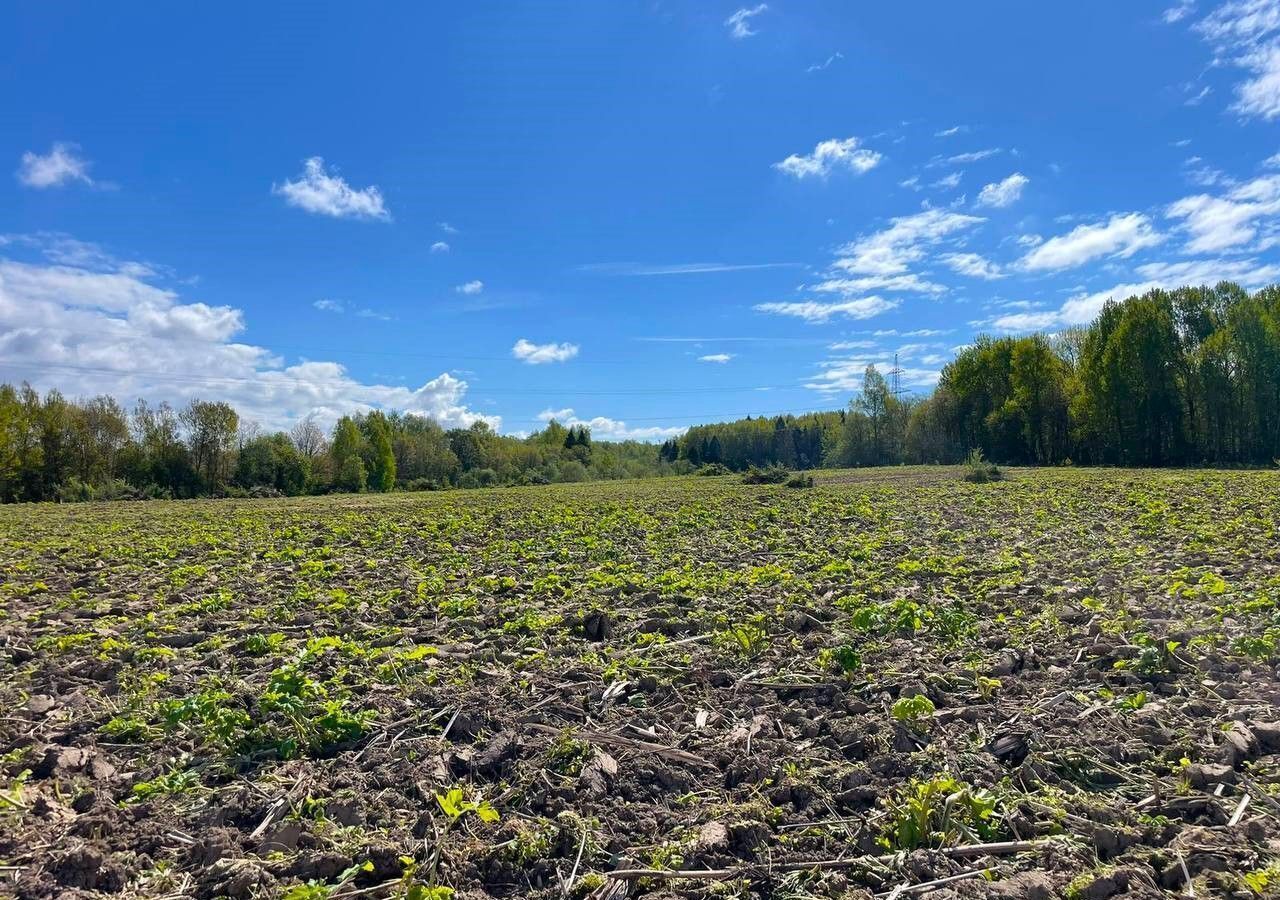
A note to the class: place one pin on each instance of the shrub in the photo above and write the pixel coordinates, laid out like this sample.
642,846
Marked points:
773,474
714,469
421,484
800,480
978,470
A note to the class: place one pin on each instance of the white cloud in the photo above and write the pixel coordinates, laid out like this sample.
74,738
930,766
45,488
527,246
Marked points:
1003,193
1220,223
853,345
105,327
56,168
716,358
815,312
1247,272
447,228
1120,237
471,288
950,132
845,375
696,268
909,283
539,354
328,194
440,247
829,156
833,58
1178,12
972,265
962,158
1083,308
605,428
949,181
1244,32
891,251
333,306
1198,97
912,183
739,24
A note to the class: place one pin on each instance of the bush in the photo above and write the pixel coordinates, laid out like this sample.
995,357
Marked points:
713,470
800,480
978,470
774,474
421,484
264,492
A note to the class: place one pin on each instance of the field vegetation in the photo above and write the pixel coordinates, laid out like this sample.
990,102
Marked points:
1063,682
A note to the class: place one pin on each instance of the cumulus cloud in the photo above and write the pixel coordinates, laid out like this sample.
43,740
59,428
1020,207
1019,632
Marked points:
60,166
610,429
328,194
539,354
108,326
905,241
815,312
1083,307
716,358
1219,223
1120,237
471,288
972,265
739,24
333,306
440,247
829,156
1003,193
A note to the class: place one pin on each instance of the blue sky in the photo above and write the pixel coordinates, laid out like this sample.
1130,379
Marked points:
638,215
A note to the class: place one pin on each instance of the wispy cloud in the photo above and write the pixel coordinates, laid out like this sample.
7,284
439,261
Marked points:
1244,33
828,63
972,265
540,354
721,358
328,194
440,247
950,132
60,166
828,156
1178,11
1003,193
471,288
333,306
699,268
739,24
1119,237
962,158
815,312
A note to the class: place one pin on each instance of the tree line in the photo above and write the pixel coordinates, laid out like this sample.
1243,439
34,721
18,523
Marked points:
52,448
1169,378
1183,377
